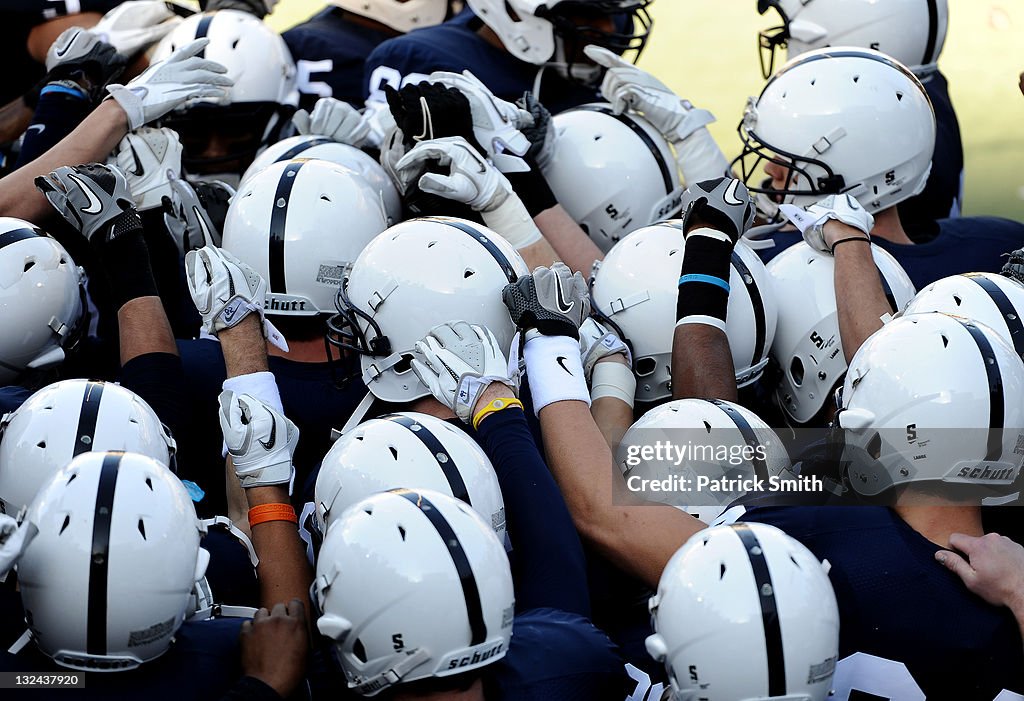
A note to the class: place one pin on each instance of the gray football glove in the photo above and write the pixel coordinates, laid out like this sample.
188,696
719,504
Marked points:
551,302
723,203
94,198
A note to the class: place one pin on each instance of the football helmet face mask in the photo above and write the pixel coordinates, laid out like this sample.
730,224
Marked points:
109,577
407,450
591,142
300,224
874,140
713,606
985,298
324,149
911,31
42,300
412,277
258,105
933,398
807,348
400,16
554,32
66,419
411,585
753,447
636,287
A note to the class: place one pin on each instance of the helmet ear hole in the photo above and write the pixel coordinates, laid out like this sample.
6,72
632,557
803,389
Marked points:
359,651
646,366
796,371
404,365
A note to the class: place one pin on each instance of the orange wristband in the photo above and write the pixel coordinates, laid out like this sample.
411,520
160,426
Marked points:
271,512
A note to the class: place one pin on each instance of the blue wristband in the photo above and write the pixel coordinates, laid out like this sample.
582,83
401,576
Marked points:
709,279
54,88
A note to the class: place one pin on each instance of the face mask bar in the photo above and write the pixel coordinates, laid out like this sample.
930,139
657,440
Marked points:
345,334
631,19
768,41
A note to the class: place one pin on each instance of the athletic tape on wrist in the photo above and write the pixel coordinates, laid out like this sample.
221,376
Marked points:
614,380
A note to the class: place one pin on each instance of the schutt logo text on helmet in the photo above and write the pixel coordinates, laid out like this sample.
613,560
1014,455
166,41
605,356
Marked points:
477,657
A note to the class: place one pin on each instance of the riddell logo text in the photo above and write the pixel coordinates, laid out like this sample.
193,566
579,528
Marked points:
284,306
477,657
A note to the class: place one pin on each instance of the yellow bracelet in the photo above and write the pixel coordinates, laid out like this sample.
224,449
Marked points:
494,407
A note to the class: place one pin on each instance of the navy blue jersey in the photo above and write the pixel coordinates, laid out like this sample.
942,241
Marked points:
329,51
12,397
943,194
456,46
309,396
201,664
964,245
898,604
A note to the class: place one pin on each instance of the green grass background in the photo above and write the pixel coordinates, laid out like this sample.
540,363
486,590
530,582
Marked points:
706,50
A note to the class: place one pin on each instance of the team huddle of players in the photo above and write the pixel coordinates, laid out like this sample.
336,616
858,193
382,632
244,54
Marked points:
330,360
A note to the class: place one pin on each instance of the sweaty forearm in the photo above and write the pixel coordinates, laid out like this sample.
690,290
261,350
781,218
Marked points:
702,364
860,298
569,241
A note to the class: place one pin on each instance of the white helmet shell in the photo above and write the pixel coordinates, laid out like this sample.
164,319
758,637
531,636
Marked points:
69,418
591,143
745,592
636,287
407,450
400,15
414,276
412,585
109,577
299,224
40,299
807,346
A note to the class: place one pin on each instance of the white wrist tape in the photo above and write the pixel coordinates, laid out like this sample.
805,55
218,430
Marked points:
614,380
262,385
702,319
699,158
555,371
513,222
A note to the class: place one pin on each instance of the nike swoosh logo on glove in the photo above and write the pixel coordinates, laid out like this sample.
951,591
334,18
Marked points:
268,445
139,170
730,194
39,127
563,306
95,206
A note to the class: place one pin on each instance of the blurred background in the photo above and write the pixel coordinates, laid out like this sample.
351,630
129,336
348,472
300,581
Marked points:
707,51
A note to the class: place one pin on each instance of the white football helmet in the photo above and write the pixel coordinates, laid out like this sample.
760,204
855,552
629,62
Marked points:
109,578
68,418
41,300
636,288
262,99
987,298
841,120
733,442
807,347
933,398
299,224
555,31
400,15
412,585
745,592
410,450
414,276
591,142
911,31
325,149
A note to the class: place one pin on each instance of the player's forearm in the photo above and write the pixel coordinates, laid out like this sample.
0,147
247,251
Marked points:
860,299
143,328
244,348
571,244
283,571
702,364
15,118
92,141
613,418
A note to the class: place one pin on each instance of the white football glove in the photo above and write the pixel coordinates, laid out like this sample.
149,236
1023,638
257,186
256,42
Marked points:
597,342
457,362
260,440
335,120
811,222
149,159
13,541
165,85
136,25
496,123
225,290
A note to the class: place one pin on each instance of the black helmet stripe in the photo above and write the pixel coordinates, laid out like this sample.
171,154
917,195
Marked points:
96,616
202,29
444,459
470,591
86,435
774,651
996,409
749,437
760,331
1006,309
666,174
483,240
933,31
278,223
298,149
15,235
